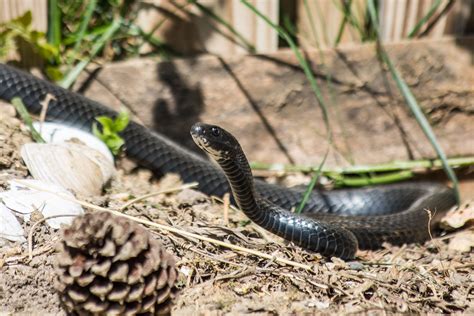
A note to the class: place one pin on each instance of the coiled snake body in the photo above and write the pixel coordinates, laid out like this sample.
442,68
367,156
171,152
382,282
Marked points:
392,213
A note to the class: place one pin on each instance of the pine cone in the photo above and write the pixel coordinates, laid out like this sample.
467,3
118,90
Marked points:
110,265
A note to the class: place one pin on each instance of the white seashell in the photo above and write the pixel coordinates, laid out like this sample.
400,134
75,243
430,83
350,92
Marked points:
23,198
59,133
72,166
10,228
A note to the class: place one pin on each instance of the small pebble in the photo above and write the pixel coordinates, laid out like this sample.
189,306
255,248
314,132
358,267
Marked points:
355,265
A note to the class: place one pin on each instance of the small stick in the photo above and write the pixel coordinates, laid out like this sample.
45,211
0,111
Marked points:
226,206
166,191
32,229
44,108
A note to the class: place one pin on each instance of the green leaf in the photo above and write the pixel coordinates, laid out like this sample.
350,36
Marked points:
21,28
53,73
7,43
115,143
121,122
24,20
110,129
107,124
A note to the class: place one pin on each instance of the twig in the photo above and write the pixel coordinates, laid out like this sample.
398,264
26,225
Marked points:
176,230
32,229
430,218
44,108
166,191
39,251
226,206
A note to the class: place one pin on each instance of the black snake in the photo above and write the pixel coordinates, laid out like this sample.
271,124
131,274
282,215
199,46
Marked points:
393,213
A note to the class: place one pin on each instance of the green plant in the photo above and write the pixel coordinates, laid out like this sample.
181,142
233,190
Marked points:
19,30
110,129
78,33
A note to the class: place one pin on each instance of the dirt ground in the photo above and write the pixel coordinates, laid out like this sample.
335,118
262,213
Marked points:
434,277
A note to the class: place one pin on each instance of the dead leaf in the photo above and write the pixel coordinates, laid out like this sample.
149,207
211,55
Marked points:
459,217
462,242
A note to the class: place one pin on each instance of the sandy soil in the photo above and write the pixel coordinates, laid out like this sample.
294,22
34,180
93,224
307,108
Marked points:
433,277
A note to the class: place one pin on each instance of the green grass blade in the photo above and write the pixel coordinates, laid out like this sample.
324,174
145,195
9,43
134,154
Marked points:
310,187
424,19
91,5
148,37
311,22
54,23
349,17
73,74
25,116
346,12
413,105
423,122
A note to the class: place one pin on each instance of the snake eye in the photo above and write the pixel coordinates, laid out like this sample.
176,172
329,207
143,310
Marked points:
215,131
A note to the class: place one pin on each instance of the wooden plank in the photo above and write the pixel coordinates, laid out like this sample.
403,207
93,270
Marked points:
399,19
243,20
188,30
266,39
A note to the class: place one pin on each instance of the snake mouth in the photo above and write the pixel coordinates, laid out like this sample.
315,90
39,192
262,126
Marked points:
199,139
203,143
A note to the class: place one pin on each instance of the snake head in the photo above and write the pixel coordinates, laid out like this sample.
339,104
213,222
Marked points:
214,140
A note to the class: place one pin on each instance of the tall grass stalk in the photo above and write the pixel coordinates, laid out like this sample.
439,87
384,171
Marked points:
314,86
312,183
92,4
54,24
412,103
424,19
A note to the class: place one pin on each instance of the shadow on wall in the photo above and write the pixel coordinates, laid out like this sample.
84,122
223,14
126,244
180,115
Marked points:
173,117
468,41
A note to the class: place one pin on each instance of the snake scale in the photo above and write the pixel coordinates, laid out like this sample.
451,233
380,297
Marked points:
334,223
